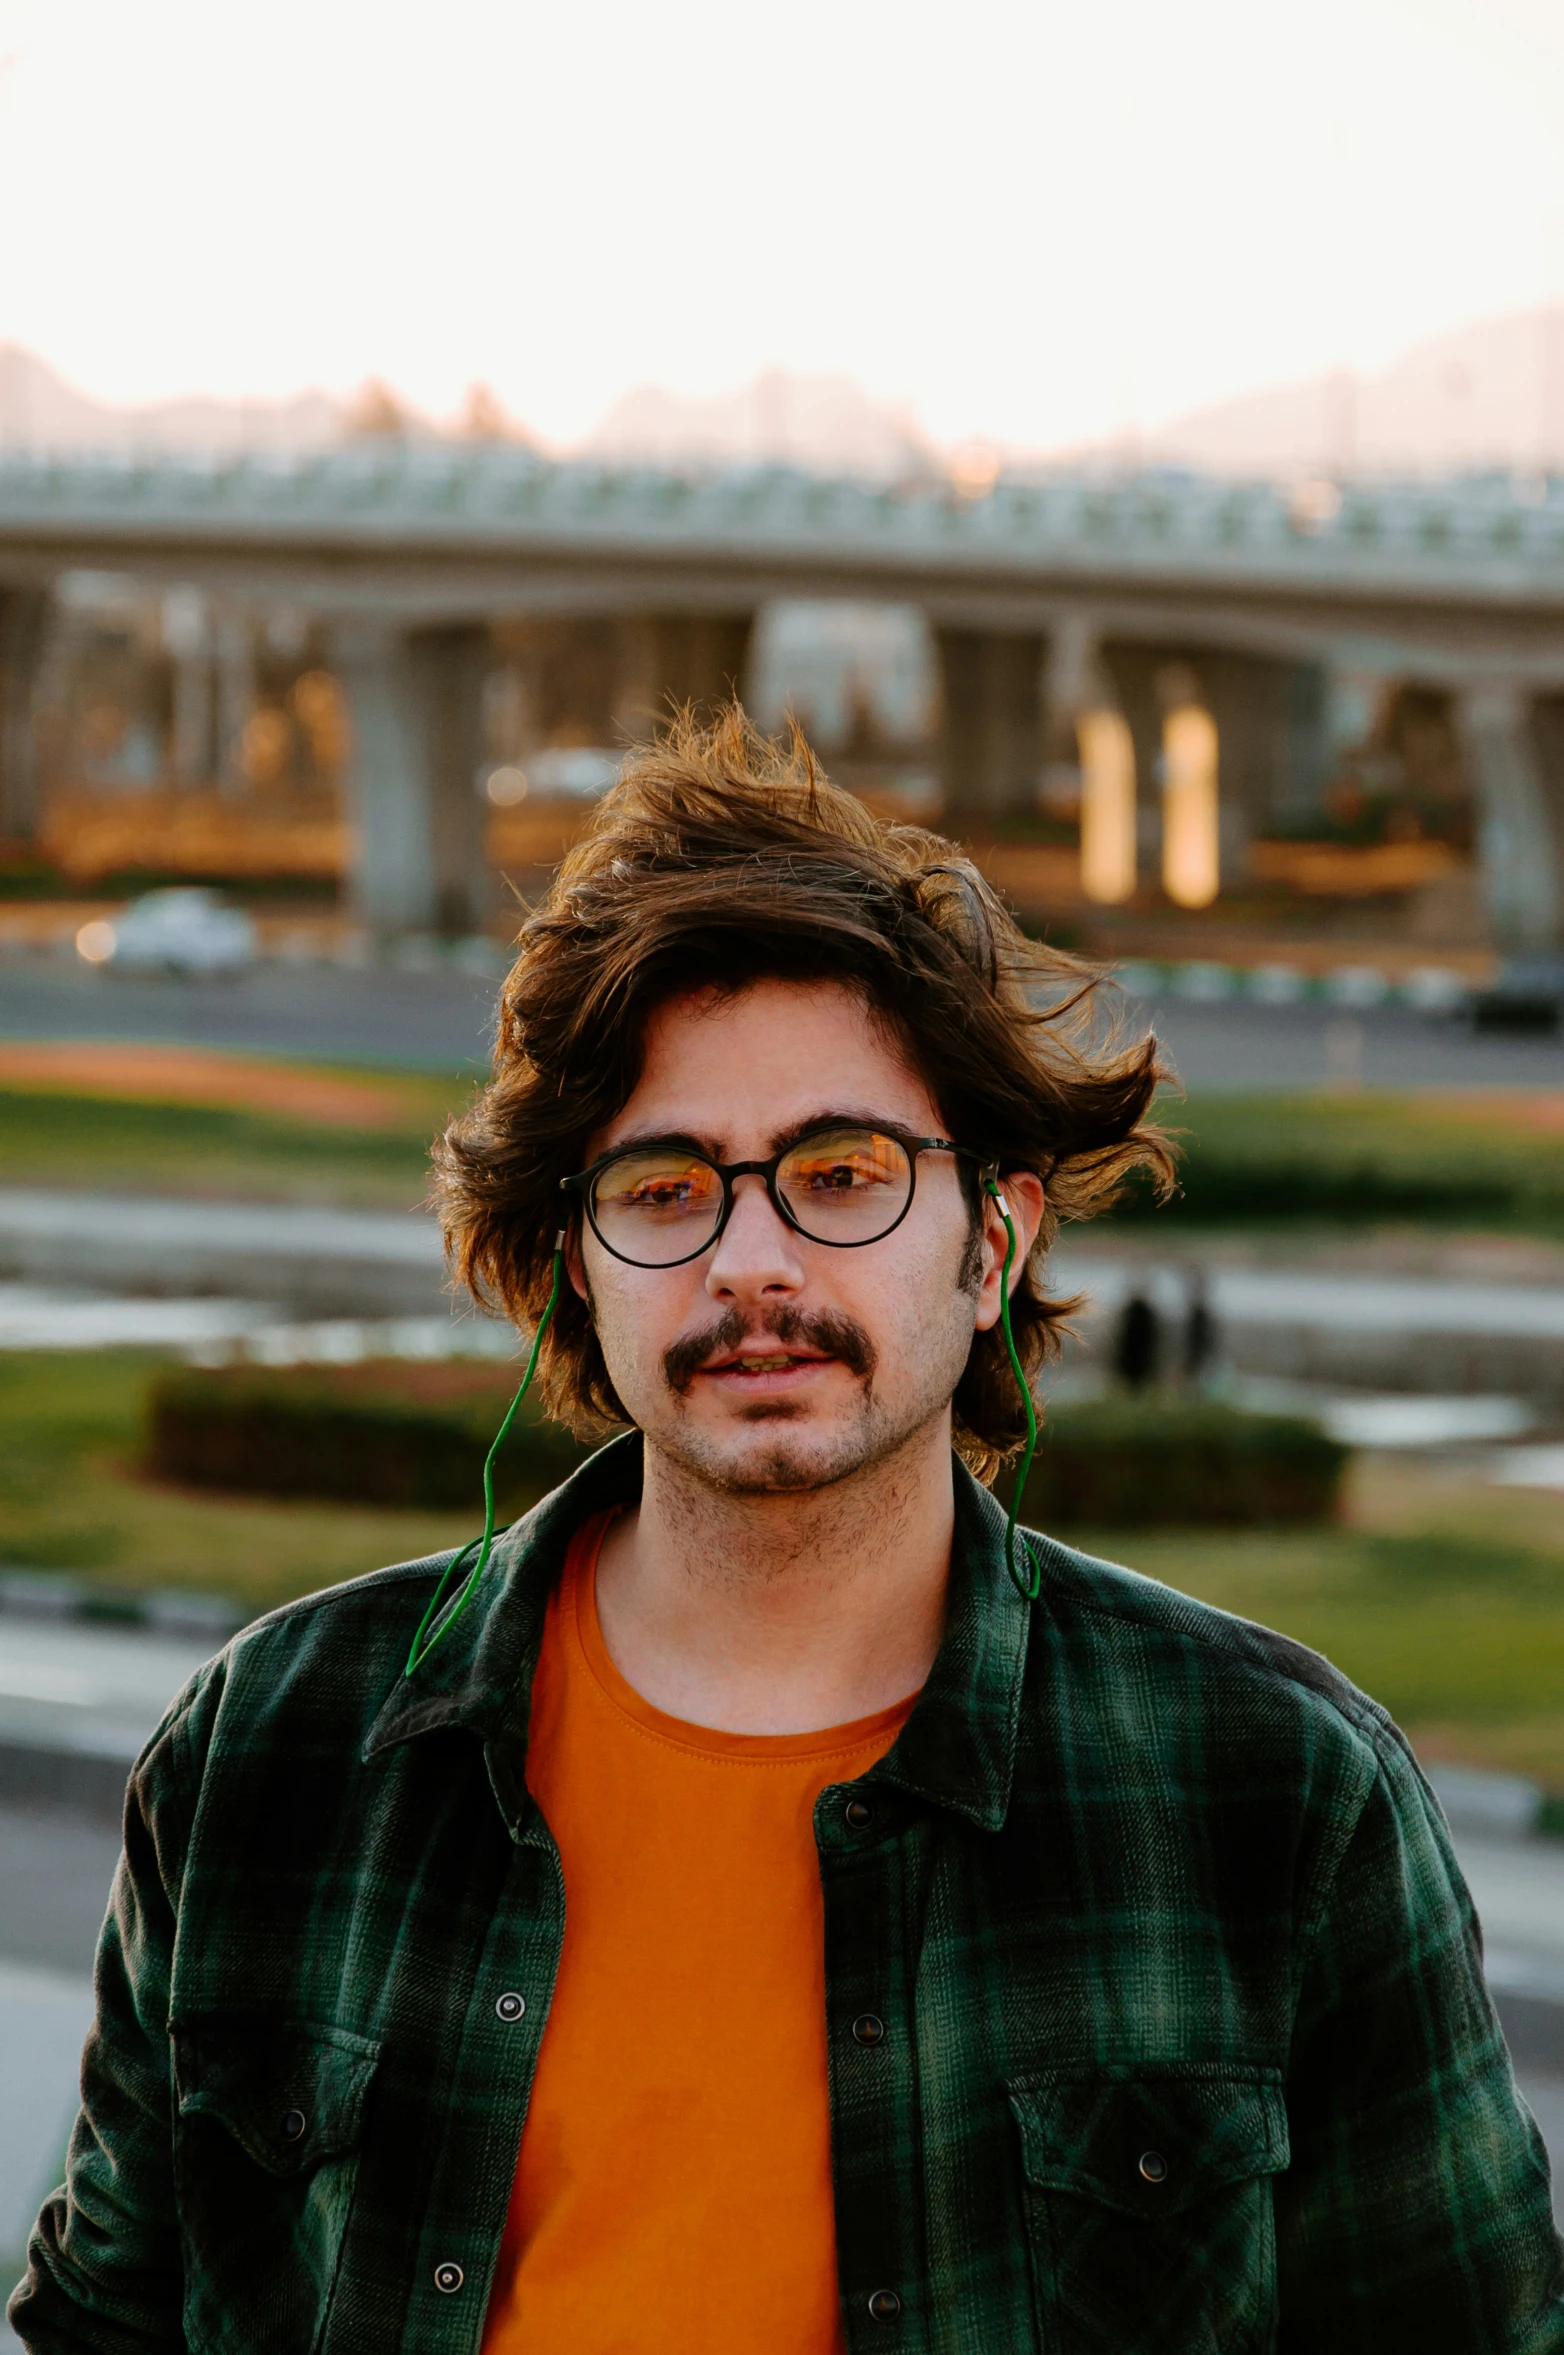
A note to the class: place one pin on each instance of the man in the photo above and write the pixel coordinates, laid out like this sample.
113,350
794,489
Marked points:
753,1924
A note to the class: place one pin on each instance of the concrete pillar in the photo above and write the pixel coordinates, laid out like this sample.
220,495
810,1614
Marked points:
450,668
1191,803
1518,832
1330,712
234,686
1308,762
670,659
187,638
1354,700
394,887
992,735
1131,672
1109,853
1268,718
415,700
24,626
1087,732
1073,681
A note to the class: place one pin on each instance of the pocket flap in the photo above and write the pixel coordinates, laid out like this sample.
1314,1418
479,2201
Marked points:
290,2092
1149,2141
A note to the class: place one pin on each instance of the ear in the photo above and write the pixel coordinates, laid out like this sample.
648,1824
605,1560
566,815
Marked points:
1023,1196
575,1265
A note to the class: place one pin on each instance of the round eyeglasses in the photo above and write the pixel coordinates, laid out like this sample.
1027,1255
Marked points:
659,1205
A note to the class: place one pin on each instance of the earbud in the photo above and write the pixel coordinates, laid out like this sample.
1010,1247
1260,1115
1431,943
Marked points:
1028,1588
484,1545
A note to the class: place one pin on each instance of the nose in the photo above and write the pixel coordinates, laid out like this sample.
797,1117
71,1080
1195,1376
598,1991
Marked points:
757,1255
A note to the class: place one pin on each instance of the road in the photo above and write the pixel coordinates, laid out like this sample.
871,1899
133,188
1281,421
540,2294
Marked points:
442,1019
439,1019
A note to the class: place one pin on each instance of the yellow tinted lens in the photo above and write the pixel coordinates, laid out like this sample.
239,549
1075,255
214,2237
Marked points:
657,1206
846,1185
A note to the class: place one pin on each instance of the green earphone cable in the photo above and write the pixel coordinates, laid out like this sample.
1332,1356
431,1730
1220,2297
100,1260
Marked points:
420,1650
1027,1588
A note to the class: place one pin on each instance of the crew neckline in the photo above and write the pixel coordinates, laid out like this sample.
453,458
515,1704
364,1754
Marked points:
581,1620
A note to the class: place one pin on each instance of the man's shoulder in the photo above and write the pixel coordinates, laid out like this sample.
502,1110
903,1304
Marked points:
334,1614
311,1656
330,1673
1118,1624
356,1619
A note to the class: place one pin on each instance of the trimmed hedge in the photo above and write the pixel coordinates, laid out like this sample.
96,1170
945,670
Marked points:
1218,1189
1354,1160
416,1435
1143,1464
386,1433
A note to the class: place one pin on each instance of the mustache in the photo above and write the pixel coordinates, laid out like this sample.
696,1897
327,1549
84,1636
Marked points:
834,1336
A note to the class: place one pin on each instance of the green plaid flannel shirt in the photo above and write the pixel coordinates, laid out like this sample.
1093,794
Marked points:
1187,2043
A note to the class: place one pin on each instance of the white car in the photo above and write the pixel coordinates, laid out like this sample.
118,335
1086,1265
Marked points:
186,930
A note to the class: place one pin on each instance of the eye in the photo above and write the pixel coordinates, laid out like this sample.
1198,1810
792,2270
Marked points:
659,1193
846,1167
839,1177
655,1186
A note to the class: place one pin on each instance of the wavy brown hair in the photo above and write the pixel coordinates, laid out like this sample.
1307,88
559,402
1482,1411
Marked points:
722,858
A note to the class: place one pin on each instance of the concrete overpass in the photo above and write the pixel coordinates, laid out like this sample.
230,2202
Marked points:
1045,599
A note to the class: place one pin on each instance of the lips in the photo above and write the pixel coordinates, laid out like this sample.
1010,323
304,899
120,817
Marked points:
760,1360
787,1351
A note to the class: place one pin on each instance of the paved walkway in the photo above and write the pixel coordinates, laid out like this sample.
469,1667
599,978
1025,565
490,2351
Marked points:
1343,1329
171,1225
86,1688
277,1251
44,2016
1340,1302
333,1262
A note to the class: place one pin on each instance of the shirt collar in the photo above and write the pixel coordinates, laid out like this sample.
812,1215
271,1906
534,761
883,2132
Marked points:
956,1749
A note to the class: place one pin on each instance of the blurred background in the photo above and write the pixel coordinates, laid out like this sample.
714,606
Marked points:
1131,441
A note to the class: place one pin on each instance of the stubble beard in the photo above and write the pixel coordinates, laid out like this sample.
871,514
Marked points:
792,1461
790,1457
773,1448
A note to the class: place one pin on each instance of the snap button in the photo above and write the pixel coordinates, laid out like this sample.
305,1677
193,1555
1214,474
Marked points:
293,2125
884,2306
511,2007
1153,2166
448,2278
859,1814
868,2030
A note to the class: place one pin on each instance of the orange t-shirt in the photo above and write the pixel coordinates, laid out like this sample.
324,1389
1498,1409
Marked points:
673,2193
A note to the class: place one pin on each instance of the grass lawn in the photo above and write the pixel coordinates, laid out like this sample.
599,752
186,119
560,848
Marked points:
1490,1159
1446,1601
184,1120
1443,1599
71,1498
150,1120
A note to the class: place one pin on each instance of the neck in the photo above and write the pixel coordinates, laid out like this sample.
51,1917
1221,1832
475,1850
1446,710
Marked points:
781,1613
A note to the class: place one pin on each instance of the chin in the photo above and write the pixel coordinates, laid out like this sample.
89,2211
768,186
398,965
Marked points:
764,1457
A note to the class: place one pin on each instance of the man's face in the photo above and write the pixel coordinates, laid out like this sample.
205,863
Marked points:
772,1362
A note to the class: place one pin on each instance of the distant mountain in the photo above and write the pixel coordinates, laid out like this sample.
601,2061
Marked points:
1490,395
38,409
826,424
1485,396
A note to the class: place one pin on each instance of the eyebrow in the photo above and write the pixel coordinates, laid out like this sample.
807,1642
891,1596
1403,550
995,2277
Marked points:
830,1116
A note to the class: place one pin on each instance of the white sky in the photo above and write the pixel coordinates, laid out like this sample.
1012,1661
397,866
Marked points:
1033,221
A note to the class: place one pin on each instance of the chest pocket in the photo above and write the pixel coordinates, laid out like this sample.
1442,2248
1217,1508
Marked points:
1149,2211
265,2163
